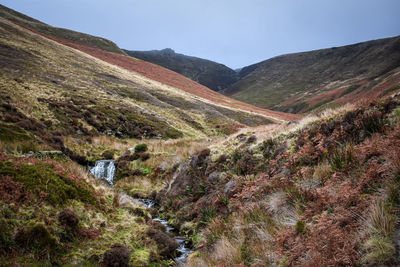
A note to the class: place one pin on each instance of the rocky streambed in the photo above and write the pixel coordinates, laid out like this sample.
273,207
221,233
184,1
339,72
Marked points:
104,169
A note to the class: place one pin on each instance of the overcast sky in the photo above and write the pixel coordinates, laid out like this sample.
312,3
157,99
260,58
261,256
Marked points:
236,33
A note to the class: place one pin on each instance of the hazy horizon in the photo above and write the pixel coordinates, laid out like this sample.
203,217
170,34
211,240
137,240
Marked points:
235,33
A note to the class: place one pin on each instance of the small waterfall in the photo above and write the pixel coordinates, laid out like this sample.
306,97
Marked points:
104,169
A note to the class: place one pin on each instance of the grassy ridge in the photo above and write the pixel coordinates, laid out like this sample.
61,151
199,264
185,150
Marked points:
301,82
74,36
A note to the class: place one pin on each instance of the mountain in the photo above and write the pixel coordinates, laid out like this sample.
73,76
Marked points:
208,73
70,35
108,160
301,82
67,103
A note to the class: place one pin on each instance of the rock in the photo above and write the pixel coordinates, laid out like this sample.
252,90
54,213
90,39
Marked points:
199,158
117,256
251,139
214,177
241,137
165,244
285,172
229,186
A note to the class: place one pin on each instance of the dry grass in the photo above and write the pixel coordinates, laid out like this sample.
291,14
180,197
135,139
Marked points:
323,171
380,246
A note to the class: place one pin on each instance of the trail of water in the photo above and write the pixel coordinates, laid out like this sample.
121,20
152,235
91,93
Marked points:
105,169
184,247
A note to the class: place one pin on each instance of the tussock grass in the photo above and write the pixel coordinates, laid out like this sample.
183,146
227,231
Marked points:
380,248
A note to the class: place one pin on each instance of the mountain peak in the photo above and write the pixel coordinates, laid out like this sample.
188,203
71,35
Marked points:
167,51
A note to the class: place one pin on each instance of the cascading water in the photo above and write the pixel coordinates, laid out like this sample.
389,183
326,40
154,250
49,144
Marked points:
184,247
104,169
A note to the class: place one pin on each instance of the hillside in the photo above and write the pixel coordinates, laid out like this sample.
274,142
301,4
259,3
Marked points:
320,192
301,82
42,81
107,160
60,107
106,51
74,36
208,73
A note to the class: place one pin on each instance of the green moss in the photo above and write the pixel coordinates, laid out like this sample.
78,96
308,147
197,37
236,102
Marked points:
140,148
42,180
6,239
36,239
173,133
300,227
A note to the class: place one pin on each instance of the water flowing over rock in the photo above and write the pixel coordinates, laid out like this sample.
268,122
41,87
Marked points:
104,169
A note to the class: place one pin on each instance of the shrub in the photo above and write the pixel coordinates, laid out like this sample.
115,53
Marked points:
69,219
137,172
207,214
141,148
108,154
6,240
145,156
342,157
300,227
118,255
37,240
165,244
204,153
323,171
246,165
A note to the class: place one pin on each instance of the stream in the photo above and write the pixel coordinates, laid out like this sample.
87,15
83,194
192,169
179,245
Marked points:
105,169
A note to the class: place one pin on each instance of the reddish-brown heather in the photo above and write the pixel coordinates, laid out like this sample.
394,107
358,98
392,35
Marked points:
168,77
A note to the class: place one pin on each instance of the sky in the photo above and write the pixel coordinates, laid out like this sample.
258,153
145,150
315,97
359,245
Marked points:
235,33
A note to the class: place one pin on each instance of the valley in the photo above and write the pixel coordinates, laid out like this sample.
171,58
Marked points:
109,160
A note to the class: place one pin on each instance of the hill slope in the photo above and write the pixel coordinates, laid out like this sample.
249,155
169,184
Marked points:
323,192
303,81
48,88
211,74
74,36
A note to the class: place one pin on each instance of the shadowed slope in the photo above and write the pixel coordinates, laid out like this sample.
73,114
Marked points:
206,72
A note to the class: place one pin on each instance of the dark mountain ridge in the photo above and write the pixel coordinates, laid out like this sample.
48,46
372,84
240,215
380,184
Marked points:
214,75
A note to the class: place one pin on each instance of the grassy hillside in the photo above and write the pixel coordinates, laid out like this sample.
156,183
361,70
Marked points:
74,36
320,192
301,82
49,88
208,73
60,107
